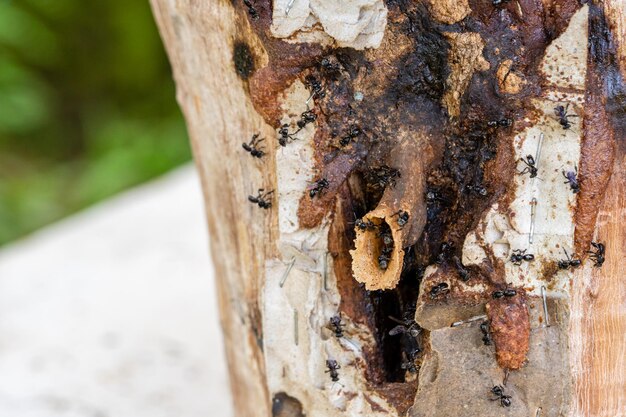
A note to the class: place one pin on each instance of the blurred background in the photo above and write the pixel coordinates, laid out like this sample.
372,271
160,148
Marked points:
107,296
87,107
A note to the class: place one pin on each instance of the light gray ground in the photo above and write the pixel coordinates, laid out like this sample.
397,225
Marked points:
112,312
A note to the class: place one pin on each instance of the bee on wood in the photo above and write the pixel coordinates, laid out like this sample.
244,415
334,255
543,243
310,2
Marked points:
530,168
364,225
440,289
306,118
262,199
484,328
337,325
408,362
519,255
386,237
432,197
508,292
285,136
387,249
252,148
561,113
315,86
333,366
318,187
383,260
403,217
383,176
445,251
406,326
570,262
330,67
572,180
598,255
353,133
498,391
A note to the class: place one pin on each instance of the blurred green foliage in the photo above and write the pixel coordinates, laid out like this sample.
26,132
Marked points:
87,107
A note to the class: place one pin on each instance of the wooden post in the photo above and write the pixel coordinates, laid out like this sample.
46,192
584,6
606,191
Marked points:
371,109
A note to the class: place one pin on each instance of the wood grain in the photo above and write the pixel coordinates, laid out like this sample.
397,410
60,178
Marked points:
199,38
598,333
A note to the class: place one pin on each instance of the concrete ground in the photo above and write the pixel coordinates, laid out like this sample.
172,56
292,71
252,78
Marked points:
112,312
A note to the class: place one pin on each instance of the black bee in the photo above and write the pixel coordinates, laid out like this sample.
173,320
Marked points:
440,289
319,187
500,123
253,13
409,365
434,196
484,328
464,273
445,251
530,168
408,362
383,260
385,256
365,224
519,255
387,238
252,146
507,292
572,180
569,262
306,118
382,177
387,176
262,199
478,189
336,323
353,132
330,67
498,391
598,255
406,326
285,136
314,85
403,217
561,113
333,366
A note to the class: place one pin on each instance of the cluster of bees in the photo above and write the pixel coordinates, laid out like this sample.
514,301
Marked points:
405,326
518,256
253,147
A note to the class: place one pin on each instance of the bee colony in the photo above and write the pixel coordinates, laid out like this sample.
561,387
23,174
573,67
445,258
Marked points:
411,202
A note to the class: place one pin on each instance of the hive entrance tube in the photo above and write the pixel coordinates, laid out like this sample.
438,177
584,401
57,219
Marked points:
378,255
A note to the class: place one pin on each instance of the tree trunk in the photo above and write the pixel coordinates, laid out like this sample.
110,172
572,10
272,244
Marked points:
417,154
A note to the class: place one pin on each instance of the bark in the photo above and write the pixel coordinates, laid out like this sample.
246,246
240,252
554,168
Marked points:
423,108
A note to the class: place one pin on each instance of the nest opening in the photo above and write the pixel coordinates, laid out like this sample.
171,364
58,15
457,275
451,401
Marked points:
379,251
377,257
